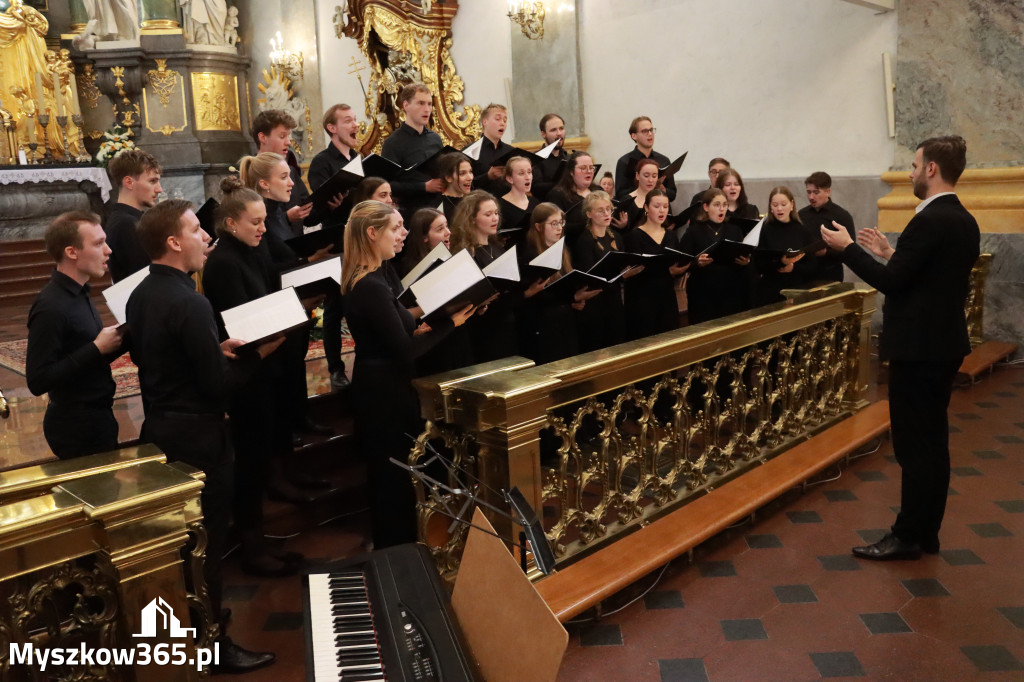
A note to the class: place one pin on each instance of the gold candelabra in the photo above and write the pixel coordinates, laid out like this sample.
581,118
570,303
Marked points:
529,16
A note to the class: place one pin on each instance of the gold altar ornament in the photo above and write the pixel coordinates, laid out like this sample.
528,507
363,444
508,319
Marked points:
403,46
162,82
215,98
87,86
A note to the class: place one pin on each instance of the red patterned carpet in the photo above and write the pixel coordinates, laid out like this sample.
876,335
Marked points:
126,374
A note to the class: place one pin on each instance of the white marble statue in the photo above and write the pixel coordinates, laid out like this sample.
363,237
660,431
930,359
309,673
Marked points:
231,29
205,21
112,19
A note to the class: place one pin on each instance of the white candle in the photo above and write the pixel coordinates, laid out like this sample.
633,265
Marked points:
40,102
76,108
58,96
31,122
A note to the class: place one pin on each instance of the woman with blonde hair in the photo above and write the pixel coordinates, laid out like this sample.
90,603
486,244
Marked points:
385,404
602,322
517,205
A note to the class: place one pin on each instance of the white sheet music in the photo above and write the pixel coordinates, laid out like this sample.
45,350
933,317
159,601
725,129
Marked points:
446,282
551,258
505,266
330,267
117,295
754,236
265,316
546,152
438,252
473,150
355,166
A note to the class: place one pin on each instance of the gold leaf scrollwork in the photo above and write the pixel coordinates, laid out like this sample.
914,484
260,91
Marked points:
163,81
87,86
401,48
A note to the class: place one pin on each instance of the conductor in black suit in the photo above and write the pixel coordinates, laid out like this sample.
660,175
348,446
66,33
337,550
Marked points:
924,336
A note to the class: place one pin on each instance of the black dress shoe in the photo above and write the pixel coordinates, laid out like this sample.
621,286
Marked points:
234,659
930,546
339,380
889,548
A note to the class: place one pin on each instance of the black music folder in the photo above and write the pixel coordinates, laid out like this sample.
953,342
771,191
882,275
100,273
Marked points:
455,284
341,182
265,318
376,166
745,224
564,289
614,263
728,250
306,245
671,169
430,166
314,279
207,214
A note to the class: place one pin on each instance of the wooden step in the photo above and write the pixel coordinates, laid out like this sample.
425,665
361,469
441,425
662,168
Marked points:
983,358
581,585
24,258
10,273
22,246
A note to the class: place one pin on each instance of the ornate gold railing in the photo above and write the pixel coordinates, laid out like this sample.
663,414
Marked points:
603,443
85,545
974,308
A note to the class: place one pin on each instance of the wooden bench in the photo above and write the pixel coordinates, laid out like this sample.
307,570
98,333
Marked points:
982,358
579,586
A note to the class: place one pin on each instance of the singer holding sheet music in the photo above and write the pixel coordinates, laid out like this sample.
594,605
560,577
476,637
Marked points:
782,231
386,407
631,205
650,297
545,171
548,327
475,228
487,176
574,185
714,288
641,131
69,350
411,144
517,205
602,322
239,271
427,229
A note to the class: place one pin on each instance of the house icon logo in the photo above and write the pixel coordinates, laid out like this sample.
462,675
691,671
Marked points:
158,615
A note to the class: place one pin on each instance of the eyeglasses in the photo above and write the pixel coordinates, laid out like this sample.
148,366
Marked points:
647,131
586,169
719,204
555,223
605,209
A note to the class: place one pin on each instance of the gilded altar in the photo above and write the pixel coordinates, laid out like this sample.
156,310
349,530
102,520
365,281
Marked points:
404,46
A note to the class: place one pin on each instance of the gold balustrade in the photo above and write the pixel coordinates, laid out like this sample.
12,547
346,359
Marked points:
605,442
85,545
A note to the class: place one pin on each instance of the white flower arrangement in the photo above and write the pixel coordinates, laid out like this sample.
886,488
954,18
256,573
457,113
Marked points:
116,141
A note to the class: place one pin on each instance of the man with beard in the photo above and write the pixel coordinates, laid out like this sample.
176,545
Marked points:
924,336
822,211
545,172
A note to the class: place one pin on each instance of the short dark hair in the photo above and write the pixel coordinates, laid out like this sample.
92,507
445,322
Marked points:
819,179
410,90
949,152
131,164
159,223
331,114
548,117
718,160
266,121
634,127
63,232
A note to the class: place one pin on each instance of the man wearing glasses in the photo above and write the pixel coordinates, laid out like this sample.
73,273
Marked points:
641,130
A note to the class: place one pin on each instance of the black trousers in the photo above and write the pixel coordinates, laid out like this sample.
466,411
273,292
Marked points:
202,441
919,395
334,311
75,431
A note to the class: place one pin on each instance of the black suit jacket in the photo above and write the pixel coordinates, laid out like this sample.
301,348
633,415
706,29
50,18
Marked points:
925,283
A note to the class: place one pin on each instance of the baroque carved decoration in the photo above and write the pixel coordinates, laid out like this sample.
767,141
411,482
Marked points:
278,94
402,46
87,86
163,81
215,98
63,606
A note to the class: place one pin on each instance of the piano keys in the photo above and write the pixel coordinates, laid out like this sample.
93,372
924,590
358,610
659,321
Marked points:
382,616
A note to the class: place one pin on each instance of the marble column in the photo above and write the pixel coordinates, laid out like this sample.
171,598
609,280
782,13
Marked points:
158,15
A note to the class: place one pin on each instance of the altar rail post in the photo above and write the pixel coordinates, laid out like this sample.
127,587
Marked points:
603,443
